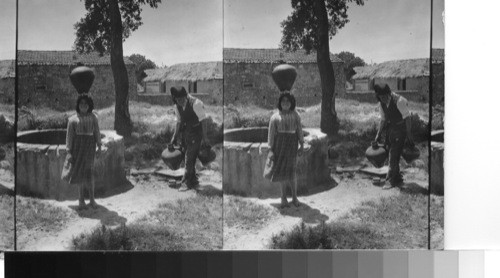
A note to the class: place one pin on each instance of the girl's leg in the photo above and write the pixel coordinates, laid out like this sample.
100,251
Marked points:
284,202
81,198
91,192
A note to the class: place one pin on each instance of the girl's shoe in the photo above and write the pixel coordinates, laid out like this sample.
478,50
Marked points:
82,206
296,202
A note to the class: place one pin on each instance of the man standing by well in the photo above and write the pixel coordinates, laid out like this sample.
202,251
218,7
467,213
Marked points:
395,117
191,127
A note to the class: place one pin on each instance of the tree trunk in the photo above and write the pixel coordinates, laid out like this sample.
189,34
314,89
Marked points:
123,125
329,123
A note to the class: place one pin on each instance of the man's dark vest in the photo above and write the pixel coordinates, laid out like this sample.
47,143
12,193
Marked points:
392,114
189,119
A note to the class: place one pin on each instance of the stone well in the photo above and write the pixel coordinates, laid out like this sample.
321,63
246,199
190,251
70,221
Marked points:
437,162
40,159
245,154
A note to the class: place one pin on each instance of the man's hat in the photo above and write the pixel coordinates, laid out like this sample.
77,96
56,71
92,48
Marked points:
178,91
382,89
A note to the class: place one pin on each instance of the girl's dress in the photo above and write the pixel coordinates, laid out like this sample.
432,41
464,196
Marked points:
82,137
285,132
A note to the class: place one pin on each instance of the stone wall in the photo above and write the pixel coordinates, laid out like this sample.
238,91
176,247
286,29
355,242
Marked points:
438,84
49,86
39,166
7,90
246,83
165,99
420,84
369,96
208,91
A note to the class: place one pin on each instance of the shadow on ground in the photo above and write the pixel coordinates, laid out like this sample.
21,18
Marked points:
124,187
308,214
106,216
413,188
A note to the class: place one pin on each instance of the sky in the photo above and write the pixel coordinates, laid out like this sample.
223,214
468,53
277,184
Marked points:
7,29
178,31
192,30
381,30
438,24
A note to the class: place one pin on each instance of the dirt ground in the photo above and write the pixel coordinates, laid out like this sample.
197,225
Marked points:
350,191
149,191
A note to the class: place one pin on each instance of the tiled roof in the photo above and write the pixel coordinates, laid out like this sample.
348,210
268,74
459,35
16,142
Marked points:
7,69
37,57
248,55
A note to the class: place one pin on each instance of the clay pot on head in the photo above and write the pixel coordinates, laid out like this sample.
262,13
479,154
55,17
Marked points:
284,76
410,154
82,78
377,155
173,157
206,155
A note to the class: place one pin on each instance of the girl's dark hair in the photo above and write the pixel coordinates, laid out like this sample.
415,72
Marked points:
290,97
88,100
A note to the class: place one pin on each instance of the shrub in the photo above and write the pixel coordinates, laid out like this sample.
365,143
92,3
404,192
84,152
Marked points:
132,237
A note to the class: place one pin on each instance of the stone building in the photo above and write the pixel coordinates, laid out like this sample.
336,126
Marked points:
437,76
202,80
7,81
247,76
43,79
409,78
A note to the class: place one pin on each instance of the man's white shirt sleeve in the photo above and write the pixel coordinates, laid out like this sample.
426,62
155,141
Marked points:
402,105
199,109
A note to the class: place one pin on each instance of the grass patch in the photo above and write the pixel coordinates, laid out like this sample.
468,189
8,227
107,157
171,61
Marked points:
131,237
9,155
239,212
153,126
358,123
437,222
246,116
6,222
8,110
437,117
32,213
190,224
155,119
398,222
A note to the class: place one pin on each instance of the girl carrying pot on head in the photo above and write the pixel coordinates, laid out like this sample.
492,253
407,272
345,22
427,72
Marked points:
82,138
285,135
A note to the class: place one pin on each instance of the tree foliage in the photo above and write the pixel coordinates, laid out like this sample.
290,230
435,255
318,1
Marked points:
104,27
141,64
300,29
350,62
311,26
93,31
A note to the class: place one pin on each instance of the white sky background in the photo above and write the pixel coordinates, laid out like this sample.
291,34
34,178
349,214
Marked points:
7,29
438,24
381,30
177,31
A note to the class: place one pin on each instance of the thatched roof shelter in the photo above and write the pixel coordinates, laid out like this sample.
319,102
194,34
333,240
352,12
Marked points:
154,75
194,71
394,69
7,69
